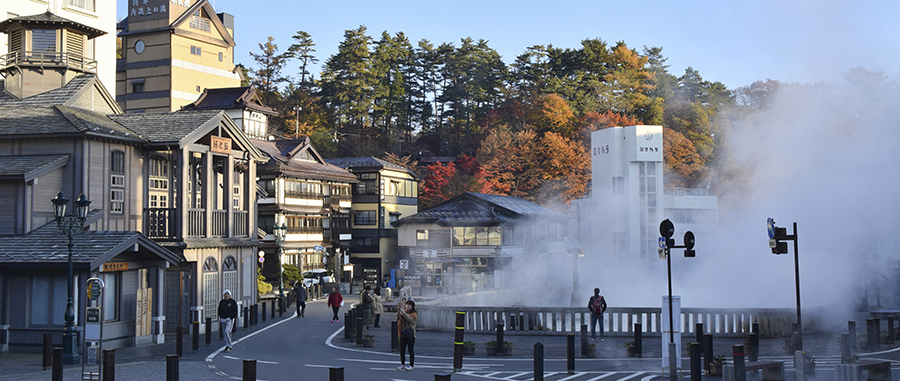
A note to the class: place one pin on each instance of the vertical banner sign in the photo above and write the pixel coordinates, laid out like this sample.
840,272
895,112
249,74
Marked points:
666,327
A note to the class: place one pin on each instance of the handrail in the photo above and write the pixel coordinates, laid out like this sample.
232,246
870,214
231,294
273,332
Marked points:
44,59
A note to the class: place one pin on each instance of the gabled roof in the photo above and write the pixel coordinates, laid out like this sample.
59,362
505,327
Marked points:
282,152
50,19
181,19
229,98
368,162
479,209
27,168
91,248
66,95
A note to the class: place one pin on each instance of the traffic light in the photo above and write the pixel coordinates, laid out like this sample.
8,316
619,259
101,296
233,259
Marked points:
689,244
775,243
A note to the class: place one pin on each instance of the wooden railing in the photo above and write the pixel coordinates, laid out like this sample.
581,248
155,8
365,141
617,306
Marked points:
721,322
161,223
219,223
49,59
240,224
196,223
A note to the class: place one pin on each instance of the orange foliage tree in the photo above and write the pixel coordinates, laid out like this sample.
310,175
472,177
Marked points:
681,159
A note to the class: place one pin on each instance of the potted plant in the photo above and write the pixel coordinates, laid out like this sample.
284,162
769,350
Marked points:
809,364
715,366
591,350
468,348
490,348
507,348
629,349
368,341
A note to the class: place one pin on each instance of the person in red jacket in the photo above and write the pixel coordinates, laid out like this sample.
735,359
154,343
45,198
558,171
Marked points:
335,301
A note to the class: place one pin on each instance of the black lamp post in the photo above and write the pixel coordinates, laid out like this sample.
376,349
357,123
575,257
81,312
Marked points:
280,233
70,225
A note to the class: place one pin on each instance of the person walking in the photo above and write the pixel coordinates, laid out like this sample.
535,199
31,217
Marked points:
301,294
366,299
228,312
378,305
597,305
335,301
406,326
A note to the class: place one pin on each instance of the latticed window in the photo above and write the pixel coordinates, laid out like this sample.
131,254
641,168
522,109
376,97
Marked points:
43,40
200,23
229,274
116,181
210,287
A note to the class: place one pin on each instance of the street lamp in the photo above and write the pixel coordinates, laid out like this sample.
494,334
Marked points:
667,230
70,225
280,233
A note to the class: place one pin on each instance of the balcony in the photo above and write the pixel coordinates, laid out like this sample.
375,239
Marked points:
49,60
162,224
303,195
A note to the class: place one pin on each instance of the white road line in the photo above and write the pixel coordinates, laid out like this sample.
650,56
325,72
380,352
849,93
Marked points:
212,355
636,374
492,374
648,378
602,376
516,375
570,377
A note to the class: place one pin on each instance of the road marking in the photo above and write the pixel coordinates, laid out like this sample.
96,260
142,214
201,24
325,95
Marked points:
570,377
636,374
602,376
513,377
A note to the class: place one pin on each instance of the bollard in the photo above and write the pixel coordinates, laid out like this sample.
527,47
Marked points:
851,327
538,362
347,331
395,339
698,331
871,333
570,353
109,365
876,328
359,331
638,340
707,351
264,311
256,314
755,328
459,340
696,370
336,374
500,348
246,317
56,367
890,329
208,331
179,336
753,341
172,368
845,348
273,311
442,377
740,374
195,336
249,370
584,340
280,307
48,350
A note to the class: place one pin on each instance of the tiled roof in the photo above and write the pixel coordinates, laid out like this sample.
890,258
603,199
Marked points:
25,167
280,163
48,18
165,126
53,97
516,205
227,98
480,209
91,248
368,162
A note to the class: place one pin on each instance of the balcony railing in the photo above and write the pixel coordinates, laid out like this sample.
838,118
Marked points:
306,195
196,223
161,223
49,59
240,224
219,223
678,192
305,230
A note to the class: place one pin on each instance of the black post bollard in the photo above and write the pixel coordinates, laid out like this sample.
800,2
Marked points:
195,336
442,377
395,339
249,370
347,331
280,307
707,351
256,314
538,362
57,368
246,317
890,329
459,340
208,331
696,370
753,341
740,373
570,353
871,332
179,337
48,350
273,309
638,340
851,328
876,328
584,340
359,331
500,347
172,368
845,348
755,328
336,374
109,365
698,331
264,311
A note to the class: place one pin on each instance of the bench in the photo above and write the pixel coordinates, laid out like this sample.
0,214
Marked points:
771,370
878,370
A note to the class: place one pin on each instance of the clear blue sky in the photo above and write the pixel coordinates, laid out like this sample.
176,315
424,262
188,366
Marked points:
732,42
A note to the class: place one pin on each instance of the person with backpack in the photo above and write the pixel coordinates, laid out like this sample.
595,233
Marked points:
597,305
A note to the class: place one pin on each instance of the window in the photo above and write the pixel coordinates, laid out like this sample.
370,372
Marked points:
304,224
229,273
43,40
199,23
220,56
268,186
195,50
477,236
159,183
137,87
394,217
366,217
266,223
110,295
367,184
48,300
117,181
87,5
210,287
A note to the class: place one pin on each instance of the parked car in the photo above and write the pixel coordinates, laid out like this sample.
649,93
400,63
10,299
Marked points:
315,276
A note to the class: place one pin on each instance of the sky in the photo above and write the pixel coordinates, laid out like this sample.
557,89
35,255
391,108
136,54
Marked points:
735,43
